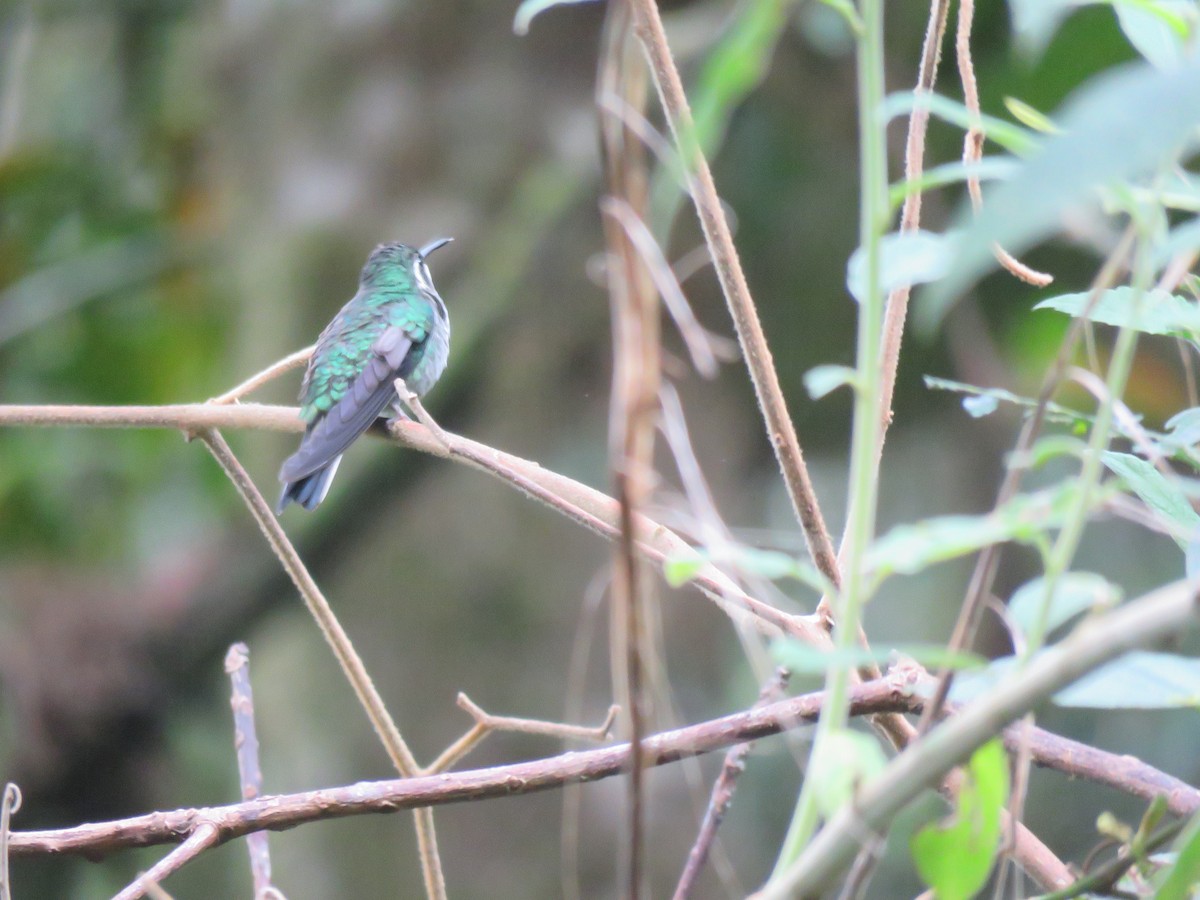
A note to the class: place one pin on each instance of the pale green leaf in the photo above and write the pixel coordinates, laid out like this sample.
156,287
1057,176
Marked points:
1161,494
1138,680
807,659
531,8
906,258
1074,594
954,857
1151,312
1158,29
990,168
1030,117
909,548
1013,138
1121,124
846,760
980,406
822,380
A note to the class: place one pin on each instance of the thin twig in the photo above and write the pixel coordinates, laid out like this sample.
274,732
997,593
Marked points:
289,810
270,373
634,404
973,142
722,795
780,430
204,836
486,723
245,739
896,310
343,650
9,805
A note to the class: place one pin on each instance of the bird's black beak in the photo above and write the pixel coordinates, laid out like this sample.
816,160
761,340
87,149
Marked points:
433,245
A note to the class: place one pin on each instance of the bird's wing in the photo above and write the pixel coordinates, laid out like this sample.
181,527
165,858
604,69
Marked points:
366,397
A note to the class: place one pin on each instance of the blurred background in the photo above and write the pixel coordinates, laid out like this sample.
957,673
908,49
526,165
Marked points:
187,193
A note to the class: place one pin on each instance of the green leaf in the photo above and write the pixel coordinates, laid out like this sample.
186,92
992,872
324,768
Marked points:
1183,428
989,168
1159,493
978,407
1158,29
1121,124
1181,880
1030,117
906,258
1034,22
955,856
908,549
531,8
1074,593
1138,680
1151,312
807,659
1055,412
1182,239
1013,138
848,759
822,380
679,570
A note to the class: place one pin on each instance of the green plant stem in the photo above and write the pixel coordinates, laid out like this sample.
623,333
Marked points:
874,213
1063,551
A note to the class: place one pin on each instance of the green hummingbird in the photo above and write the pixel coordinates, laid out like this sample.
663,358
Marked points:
395,326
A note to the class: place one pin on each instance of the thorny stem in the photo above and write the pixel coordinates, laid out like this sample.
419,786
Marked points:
343,650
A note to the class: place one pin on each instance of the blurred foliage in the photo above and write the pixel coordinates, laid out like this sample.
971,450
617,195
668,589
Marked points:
187,192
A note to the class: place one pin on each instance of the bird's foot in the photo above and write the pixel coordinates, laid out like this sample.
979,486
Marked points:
413,402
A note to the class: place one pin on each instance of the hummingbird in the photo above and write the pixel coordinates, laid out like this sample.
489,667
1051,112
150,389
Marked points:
395,326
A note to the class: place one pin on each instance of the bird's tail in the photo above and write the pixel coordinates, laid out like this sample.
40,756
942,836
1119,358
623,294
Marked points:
309,490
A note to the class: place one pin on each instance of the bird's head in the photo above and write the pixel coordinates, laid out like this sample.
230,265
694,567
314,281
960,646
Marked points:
390,261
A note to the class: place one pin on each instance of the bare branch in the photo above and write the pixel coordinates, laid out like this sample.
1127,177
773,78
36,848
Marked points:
287,811
722,795
486,723
343,650
245,739
204,836
270,373
9,804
